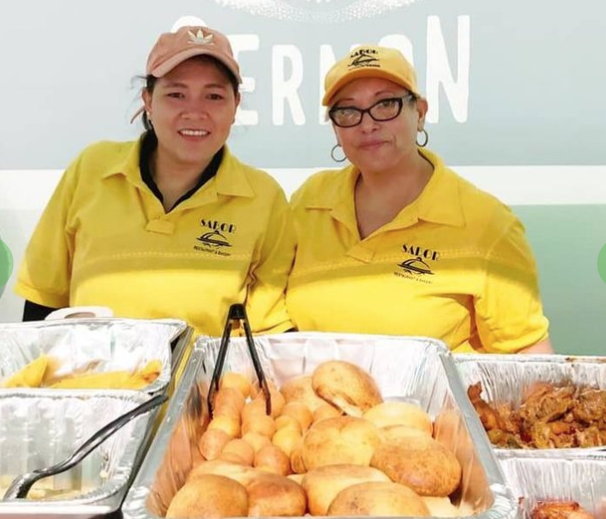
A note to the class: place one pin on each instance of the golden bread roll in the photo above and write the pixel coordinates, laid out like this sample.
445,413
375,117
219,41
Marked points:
240,449
299,412
344,439
322,484
378,500
297,463
299,389
400,413
325,411
209,495
420,463
229,424
286,439
233,470
253,408
288,422
228,401
259,423
256,440
212,442
346,386
277,399
272,459
272,495
236,381
441,507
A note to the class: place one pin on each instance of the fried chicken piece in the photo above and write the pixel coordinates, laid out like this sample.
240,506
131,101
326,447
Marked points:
560,510
547,404
589,437
590,406
489,417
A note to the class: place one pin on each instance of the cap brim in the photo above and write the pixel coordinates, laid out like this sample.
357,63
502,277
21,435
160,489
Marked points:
364,73
177,59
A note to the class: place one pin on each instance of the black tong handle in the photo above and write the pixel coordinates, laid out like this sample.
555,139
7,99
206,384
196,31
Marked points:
237,313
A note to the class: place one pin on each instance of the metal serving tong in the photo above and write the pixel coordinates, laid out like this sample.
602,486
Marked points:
236,313
21,485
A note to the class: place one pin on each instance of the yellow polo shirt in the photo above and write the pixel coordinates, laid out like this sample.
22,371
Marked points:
105,239
454,265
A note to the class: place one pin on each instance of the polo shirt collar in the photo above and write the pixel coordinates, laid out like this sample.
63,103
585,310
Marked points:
231,178
439,202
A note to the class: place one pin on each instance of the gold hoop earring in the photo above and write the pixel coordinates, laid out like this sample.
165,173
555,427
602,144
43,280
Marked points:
332,153
424,132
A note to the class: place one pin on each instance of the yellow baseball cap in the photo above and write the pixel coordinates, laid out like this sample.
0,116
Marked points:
370,61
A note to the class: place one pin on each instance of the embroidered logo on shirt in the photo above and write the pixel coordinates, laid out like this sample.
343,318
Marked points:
419,266
217,239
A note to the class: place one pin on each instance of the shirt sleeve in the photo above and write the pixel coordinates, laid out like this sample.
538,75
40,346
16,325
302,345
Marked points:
509,312
266,303
45,271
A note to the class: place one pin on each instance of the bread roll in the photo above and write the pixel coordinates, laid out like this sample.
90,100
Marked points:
300,412
277,399
242,450
324,483
378,500
420,463
212,442
228,401
232,470
259,423
346,386
272,459
256,440
271,495
229,424
209,495
344,439
286,439
236,381
326,411
400,413
299,389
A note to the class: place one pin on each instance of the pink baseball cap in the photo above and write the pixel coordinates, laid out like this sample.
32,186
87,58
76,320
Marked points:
173,48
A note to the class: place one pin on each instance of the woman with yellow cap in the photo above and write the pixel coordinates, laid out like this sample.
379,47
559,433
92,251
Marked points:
172,224
396,242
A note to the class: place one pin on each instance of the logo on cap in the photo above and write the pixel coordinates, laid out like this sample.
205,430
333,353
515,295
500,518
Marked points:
364,58
199,38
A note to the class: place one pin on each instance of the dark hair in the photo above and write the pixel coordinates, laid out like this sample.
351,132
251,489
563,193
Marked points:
150,82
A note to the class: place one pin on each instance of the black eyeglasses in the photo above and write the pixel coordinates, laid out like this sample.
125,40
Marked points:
383,110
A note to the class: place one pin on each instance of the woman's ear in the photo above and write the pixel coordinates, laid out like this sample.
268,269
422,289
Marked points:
147,99
422,107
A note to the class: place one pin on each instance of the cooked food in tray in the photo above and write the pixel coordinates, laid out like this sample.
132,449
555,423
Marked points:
549,416
331,446
560,510
42,372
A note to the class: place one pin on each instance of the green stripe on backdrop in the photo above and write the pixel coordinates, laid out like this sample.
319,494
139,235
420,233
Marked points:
567,240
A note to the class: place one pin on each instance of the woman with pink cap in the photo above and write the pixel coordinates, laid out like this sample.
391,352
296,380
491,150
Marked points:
397,243
172,224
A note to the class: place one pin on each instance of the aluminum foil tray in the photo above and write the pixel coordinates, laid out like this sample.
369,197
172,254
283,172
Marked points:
415,369
39,429
505,378
97,345
536,476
